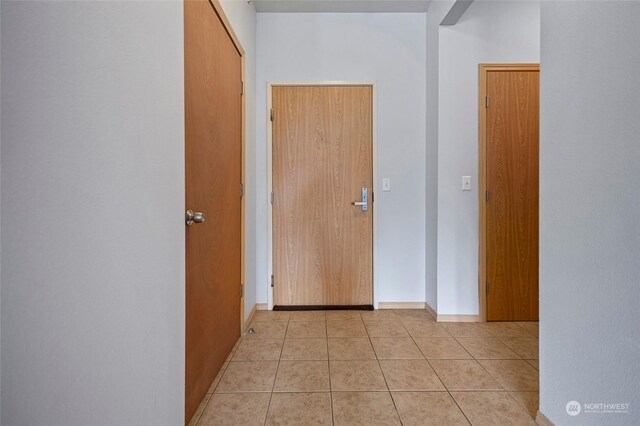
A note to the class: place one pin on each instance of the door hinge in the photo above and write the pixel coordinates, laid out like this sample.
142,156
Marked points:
373,198
241,88
486,195
273,198
241,290
241,190
272,280
271,114
486,102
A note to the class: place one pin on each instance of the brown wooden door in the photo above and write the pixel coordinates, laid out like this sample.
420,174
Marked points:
512,129
322,158
213,155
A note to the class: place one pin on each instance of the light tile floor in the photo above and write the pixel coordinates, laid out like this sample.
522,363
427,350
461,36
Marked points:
375,368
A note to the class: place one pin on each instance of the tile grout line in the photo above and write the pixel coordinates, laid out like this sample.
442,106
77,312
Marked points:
438,376
326,327
445,386
522,404
382,371
385,378
460,343
223,369
266,416
505,390
210,395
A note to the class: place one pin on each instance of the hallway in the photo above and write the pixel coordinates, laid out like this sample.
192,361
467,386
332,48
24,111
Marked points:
376,368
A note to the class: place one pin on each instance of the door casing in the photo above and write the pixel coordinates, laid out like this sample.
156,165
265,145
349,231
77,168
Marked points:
270,85
482,172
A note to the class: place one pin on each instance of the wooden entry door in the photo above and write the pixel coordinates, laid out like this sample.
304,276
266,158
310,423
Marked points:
511,199
321,160
213,155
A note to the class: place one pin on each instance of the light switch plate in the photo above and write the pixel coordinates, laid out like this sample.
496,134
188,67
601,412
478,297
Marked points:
466,183
386,184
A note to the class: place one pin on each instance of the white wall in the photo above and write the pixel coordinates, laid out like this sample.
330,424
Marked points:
488,32
589,210
437,10
391,49
242,17
92,213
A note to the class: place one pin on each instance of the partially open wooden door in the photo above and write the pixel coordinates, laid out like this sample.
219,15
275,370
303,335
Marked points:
213,155
509,132
322,164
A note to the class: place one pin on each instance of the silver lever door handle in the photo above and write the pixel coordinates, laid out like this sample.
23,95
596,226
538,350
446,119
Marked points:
191,217
365,201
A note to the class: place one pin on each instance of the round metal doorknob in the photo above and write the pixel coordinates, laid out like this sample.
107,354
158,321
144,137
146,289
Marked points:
192,217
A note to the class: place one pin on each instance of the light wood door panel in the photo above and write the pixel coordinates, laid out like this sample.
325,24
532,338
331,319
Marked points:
512,133
322,158
213,160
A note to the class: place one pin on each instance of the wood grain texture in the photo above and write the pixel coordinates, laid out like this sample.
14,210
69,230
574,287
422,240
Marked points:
322,157
213,160
512,173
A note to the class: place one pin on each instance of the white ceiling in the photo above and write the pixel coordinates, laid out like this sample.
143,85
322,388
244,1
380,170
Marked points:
304,6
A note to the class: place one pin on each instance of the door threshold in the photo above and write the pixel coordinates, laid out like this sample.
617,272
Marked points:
323,308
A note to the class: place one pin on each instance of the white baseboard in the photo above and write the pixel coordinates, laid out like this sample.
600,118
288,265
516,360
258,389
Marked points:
401,305
458,318
431,311
542,420
398,305
245,324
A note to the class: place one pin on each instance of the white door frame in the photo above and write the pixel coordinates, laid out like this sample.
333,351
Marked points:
374,124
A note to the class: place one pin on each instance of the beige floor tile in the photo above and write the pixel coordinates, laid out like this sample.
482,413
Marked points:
413,314
297,409
306,329
535,363
237,409
196,416
386,329
492,408
512,374
465,329
441,348
464,375
307,316
364,409
267,330
395,348
529,400
350,348
356,376
428,409
379,315
526,347
258,350
422,328
343,316
305,349
261,316
302,376
410,375
505,329
250,376
218,377
531,327
486,348
346,329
